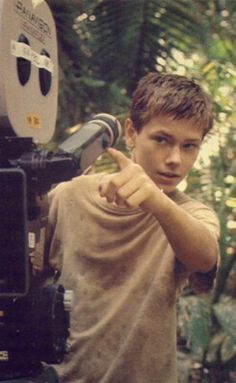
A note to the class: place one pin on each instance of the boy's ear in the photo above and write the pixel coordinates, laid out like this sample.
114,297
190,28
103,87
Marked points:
130,133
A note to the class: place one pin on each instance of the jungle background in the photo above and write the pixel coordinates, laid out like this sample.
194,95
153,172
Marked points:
105,46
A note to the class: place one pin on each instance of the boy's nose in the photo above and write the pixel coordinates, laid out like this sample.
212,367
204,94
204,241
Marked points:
174,156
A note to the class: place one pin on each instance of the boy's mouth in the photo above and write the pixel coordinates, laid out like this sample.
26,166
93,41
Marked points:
168,177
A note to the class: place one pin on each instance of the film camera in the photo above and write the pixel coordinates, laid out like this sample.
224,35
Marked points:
34,316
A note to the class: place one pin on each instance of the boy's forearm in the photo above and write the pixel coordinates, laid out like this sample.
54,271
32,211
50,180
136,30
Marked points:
193,243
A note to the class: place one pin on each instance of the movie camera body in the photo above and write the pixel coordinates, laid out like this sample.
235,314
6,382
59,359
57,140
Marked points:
34,321
34,316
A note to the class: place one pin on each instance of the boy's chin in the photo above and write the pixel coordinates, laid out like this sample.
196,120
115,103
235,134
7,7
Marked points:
168,189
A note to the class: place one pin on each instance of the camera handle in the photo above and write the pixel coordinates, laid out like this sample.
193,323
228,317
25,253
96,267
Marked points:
49,375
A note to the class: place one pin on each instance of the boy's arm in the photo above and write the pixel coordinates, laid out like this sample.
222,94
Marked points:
132,186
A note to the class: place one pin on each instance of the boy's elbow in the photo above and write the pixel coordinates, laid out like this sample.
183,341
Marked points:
210,259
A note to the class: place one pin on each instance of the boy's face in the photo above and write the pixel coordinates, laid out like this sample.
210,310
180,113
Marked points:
165,148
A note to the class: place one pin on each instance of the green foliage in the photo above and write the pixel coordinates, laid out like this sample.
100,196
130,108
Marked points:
131,38
225,312
113,43
217,188
194,325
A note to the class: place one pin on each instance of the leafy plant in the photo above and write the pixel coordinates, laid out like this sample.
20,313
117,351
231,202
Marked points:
209,330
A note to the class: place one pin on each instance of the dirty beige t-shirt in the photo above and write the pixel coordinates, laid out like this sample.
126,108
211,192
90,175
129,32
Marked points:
125,279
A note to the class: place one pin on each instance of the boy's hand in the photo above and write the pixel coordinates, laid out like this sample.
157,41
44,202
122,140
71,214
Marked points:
131,186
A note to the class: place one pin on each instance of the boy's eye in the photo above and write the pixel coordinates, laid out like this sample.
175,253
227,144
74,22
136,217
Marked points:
161,139
190,146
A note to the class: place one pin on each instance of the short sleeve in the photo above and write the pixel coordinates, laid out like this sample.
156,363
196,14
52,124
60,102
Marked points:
204,282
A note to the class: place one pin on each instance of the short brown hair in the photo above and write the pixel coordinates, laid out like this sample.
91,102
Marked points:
172,95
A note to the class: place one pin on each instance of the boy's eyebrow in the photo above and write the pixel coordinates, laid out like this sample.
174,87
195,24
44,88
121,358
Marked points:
196,140
163,133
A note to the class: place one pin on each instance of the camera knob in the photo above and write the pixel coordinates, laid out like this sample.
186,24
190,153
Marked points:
68,300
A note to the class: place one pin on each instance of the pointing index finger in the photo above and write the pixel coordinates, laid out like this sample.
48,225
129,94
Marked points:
121,160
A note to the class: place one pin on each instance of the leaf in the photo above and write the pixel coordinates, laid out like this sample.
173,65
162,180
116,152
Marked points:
225,312
199,329
214,347
228,349
231,202
92,82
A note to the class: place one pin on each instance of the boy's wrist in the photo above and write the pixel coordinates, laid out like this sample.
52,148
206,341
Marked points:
158,205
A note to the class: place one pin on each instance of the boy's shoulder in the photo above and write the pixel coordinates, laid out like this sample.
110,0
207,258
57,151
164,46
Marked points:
201,211
83,181
181,198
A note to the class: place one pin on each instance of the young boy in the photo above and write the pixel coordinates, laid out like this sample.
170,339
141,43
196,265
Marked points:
127,242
